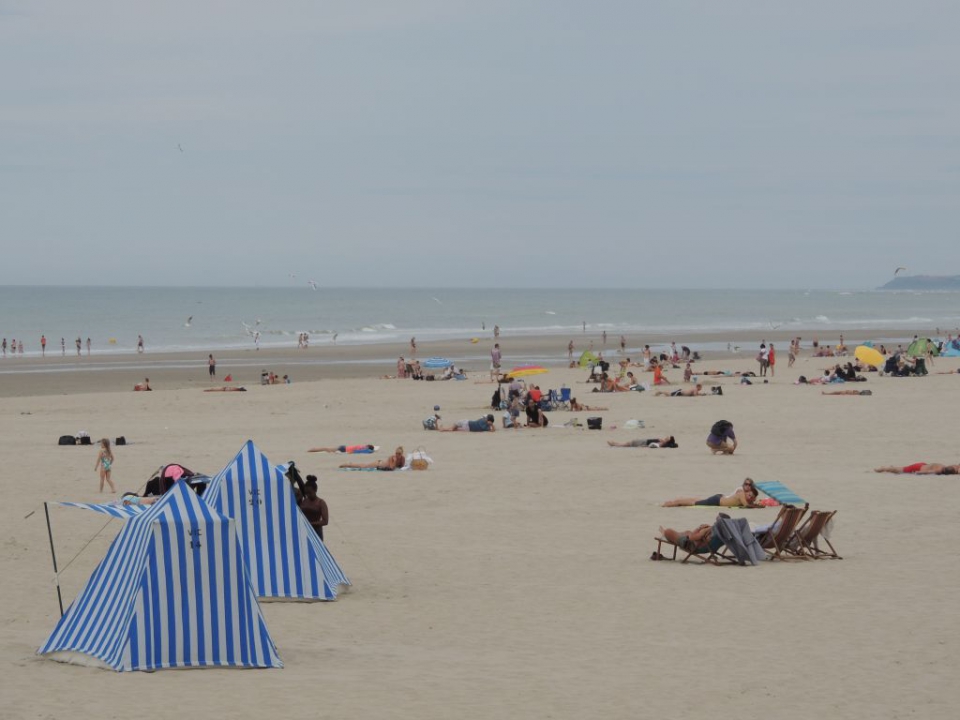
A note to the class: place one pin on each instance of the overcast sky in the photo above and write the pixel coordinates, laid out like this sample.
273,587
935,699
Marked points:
447,143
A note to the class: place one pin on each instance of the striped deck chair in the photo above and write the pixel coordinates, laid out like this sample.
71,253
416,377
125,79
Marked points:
776,541
810,534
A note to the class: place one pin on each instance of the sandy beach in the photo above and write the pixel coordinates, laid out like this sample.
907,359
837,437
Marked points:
511,579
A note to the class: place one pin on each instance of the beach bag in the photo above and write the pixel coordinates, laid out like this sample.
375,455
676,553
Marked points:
120,441
594,423
85,440
430,423
419,459
67,440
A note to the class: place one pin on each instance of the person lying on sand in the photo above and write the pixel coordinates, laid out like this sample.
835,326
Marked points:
349,449
847,392
577,407
144,386
920,468
394,462
130,498
485,424
668,442
683,392
744,496
239,388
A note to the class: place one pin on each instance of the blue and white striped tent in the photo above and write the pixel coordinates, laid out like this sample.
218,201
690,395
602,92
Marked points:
285,557
172,592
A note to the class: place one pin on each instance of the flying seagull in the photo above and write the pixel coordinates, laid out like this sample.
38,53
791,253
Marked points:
312,284
898,270
189,320
437,301
179,147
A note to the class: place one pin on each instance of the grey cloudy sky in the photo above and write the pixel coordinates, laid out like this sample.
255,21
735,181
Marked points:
446,143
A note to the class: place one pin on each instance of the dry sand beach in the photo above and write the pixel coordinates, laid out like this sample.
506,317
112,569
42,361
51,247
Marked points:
512,579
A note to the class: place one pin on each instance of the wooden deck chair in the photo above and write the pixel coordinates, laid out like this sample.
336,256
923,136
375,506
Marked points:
810,534
710,555
776,541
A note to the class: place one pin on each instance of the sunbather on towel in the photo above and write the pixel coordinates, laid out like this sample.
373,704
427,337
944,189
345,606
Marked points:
743,496
684,392
580,407
666,442
349,449
696,541
134,499
394,462
920,468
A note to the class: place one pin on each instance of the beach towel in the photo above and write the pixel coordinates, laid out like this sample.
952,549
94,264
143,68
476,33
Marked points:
360,469
780,492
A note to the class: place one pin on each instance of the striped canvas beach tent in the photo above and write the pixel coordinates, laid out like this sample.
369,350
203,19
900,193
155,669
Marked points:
171,592
285,557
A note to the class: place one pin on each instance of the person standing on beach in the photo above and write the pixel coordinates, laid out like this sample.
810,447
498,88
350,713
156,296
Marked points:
314,507
413,347
623,345
140,344
496,331
88,347
772,360
569,349
495,359
43,345
79,345
763,357
63,347
4,347
20,347
604,338
212,366
104,464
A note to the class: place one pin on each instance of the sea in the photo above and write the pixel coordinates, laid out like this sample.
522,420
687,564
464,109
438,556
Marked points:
208,319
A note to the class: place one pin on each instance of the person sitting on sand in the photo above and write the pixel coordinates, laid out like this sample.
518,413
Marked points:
536,417
484,424
349,449
744,496
681,392
700,540
920,468
394,462
665,442
658,376
578,407
847,392
144,386
722,439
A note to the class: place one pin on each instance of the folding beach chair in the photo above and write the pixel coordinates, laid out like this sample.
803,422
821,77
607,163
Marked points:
711,554
565,398
776,541
810,534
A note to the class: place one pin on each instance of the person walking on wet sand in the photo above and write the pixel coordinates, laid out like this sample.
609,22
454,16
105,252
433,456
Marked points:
212,365
413,347
140,344
63,347
79,345
495,359
570,350
43,345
